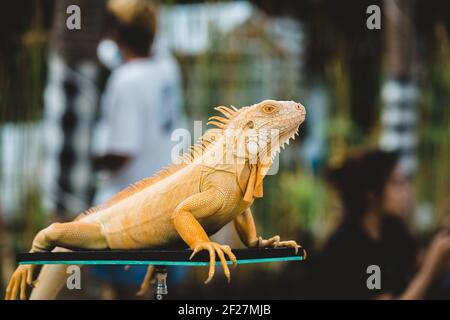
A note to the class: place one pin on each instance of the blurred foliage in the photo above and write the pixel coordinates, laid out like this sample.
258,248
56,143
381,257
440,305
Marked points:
295,201
433,183
24,38
342,131
247,65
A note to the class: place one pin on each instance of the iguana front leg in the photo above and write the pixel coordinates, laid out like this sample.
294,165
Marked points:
77,234
185,221
246,229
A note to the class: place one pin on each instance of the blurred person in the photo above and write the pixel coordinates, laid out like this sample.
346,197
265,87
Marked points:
141,106
375,193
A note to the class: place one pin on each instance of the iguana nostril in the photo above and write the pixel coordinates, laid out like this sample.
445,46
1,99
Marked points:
301,108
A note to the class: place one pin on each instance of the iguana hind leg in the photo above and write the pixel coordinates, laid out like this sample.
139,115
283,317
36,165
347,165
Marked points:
185,221
147,281
77,234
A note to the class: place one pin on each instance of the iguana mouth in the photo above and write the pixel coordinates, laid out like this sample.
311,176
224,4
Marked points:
294,126
285,138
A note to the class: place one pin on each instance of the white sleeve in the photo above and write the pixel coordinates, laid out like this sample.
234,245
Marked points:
120,126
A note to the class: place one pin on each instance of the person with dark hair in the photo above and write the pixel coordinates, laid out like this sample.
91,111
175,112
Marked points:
132,26
372,255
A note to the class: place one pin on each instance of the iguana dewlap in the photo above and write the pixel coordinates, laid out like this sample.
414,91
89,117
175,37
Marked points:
212,185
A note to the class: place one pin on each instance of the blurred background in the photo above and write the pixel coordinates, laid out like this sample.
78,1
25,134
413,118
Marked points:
386,88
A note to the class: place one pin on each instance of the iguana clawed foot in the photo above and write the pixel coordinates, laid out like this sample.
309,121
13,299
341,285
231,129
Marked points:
214,248
22,277
275,242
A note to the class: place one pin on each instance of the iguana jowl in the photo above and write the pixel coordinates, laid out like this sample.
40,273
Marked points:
214,184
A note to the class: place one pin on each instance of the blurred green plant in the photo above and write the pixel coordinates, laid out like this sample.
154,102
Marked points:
22,74
433,181
343,132
294,202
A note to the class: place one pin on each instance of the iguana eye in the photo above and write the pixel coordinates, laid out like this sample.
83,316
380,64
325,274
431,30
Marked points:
268,108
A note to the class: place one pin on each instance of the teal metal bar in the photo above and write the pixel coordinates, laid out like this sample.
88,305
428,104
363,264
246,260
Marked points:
162,263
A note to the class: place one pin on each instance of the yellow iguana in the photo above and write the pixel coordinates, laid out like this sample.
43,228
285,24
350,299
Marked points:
212,185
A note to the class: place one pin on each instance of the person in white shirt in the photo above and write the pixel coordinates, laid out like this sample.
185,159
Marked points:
141,106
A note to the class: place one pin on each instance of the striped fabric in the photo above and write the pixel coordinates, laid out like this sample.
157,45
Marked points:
399,121
70,106
70,100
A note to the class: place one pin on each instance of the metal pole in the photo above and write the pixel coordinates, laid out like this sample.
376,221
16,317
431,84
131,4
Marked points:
161,283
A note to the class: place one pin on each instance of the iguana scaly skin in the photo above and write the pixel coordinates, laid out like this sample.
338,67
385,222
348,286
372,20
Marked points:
212,185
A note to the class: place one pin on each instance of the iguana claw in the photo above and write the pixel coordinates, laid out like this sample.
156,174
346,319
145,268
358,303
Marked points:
22,277
213,247
275,242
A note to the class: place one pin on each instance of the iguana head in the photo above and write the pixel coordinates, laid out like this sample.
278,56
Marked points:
247,140
260,130
251,137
